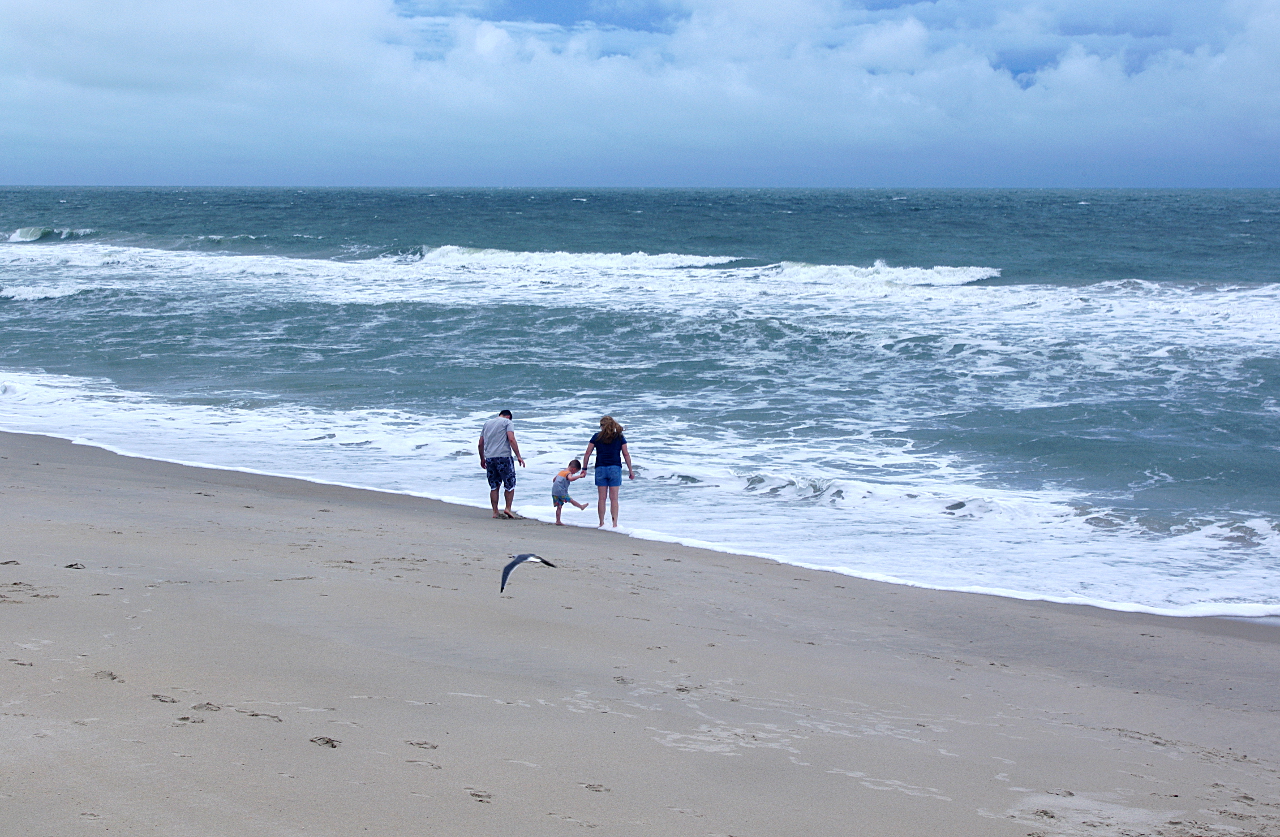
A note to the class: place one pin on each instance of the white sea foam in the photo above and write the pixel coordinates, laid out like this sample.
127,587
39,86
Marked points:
1137,318
1130,331
448,273
933,525
890,511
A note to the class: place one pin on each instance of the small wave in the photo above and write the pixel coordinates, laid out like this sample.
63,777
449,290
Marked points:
32,294
30,234
880,271
453,256
24,235
221,239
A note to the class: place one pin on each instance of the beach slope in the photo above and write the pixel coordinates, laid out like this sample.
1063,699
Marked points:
203,652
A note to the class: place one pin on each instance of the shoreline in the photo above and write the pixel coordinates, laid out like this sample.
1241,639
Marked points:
646,535
367,673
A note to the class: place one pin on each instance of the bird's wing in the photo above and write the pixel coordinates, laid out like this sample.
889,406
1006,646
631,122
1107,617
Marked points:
506,571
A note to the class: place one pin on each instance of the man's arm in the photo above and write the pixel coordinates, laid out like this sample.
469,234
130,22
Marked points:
480,447
515,448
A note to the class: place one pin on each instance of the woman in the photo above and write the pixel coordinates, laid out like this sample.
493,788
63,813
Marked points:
611,448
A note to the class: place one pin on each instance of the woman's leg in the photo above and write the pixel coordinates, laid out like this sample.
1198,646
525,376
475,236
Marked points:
604,493
613,506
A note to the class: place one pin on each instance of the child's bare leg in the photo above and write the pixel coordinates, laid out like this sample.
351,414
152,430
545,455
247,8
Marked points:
581,506
559,509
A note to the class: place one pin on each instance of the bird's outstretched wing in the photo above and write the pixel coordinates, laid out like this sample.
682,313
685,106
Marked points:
517,560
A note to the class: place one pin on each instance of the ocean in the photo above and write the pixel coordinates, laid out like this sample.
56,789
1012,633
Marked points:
1069,395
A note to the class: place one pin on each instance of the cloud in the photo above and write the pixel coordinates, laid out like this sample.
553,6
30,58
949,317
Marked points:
686,92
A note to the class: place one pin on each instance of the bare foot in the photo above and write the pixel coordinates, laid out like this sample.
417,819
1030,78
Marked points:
558,523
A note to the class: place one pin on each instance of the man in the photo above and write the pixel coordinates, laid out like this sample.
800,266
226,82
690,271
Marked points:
497,445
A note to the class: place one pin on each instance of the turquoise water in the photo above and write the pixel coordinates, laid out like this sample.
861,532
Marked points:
1068,395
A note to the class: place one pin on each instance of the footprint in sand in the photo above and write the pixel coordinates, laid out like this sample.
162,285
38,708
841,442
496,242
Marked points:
426,745
206,707
326,741
164,698
107,675
275,718
480,796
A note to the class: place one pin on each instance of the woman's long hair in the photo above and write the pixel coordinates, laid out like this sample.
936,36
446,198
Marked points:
609,429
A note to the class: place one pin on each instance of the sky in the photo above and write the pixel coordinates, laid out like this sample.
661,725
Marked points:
813,93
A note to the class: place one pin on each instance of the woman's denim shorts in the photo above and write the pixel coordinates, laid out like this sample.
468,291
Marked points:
608,475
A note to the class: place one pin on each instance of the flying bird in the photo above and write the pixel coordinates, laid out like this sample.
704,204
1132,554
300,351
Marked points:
517,560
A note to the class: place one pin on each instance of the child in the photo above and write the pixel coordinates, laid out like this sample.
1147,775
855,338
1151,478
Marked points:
560,488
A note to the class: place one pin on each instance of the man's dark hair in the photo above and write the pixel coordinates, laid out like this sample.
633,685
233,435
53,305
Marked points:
506,413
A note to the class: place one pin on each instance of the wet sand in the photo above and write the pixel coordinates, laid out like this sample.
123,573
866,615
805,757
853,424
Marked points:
203,652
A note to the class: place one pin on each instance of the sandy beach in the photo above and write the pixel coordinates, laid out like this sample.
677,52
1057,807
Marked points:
203,652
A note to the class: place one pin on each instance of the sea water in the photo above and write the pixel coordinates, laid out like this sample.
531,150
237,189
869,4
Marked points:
1062,395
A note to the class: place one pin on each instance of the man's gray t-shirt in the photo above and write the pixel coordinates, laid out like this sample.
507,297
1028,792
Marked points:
494,434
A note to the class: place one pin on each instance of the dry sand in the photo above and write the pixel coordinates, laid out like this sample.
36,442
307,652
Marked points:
243,655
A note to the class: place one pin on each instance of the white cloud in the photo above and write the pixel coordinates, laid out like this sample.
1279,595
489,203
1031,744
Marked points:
957,92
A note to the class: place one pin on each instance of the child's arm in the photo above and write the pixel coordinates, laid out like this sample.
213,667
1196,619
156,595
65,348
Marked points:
578,475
